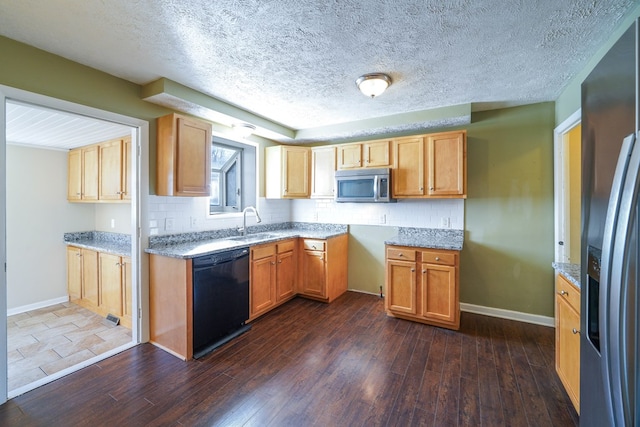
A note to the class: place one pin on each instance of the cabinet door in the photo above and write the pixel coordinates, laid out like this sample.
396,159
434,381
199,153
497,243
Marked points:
314,274
401,287
295,170
90,276
262,284
349,156
127,288
111,283
408,174
439,300
90,167
126,169
447,158
376,154
323,167
74,273
74,177
193,158
285,276
110,174
568,349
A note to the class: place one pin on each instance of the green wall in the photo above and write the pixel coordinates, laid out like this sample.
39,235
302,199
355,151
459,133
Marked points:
366,256
508,247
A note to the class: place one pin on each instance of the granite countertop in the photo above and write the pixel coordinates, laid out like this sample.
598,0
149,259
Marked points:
191,245
570,271
101,241
433,238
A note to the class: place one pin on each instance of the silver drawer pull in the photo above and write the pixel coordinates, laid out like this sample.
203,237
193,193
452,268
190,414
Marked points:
437,258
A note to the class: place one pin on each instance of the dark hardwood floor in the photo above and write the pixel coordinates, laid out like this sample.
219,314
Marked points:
312,364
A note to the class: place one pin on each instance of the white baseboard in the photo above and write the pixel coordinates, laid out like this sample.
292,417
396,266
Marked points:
508,314
363,292
37,305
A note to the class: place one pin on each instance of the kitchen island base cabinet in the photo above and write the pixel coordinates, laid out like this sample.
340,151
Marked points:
568,338
423,285
323,272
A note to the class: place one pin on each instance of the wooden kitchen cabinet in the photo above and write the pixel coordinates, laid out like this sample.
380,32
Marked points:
127,292
323,168
100,172
82,276
430,166
74,273
423,285
287,172
183,157
323,272
90,279
82,177
568,338
271,276
369,154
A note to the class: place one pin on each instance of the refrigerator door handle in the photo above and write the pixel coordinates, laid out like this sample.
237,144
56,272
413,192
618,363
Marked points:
613,283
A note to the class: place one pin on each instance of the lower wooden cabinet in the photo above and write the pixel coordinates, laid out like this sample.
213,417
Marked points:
323,272
423,285
568,338
271,276
100,282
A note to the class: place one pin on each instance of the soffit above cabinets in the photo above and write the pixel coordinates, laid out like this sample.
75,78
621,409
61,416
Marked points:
56,130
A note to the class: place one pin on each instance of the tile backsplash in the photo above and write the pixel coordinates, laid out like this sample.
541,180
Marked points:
170,215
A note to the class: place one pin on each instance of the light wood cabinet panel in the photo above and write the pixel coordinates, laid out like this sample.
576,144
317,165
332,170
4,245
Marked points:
430,295
568,338
127,292
323,268
408,171
314,267
183,157
110,283
90,168
110,176
377,154
447,156
74,175
263,289
74,273
285,275
349,156
287,172
90,291
323,167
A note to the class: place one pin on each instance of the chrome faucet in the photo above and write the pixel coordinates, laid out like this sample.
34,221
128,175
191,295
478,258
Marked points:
244,219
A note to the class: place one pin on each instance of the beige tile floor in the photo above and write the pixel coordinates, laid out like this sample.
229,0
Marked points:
50,339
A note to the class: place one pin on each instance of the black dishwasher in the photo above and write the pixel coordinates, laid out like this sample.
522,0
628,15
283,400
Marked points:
220,299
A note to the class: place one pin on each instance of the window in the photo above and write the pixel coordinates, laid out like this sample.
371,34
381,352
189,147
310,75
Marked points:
233,176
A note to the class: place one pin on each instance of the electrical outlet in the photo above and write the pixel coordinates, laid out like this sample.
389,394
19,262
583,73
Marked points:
383,219
194,222
169,224
445,222
113,223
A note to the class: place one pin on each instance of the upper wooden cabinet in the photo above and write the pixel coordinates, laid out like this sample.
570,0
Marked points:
183,157
287,172
430,166
323,167
100,172
373,154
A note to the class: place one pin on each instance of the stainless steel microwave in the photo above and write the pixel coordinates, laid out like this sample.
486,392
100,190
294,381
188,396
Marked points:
364,186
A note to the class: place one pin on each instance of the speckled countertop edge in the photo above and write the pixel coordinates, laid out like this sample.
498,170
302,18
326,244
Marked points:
434,238
101,241
191,245
570,271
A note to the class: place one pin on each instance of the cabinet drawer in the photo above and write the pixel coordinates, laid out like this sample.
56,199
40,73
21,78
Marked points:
259,252
442,258
569,292
401,254
314,245
286,246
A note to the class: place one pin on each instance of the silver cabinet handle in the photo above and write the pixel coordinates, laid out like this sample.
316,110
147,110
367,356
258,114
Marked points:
279,261
575,331
424,271
400,255
563,293
437,258
413,270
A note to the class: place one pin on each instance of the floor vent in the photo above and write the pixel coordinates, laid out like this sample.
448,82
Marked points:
113,320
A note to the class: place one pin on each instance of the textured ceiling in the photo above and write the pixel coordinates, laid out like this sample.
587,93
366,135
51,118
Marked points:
294,62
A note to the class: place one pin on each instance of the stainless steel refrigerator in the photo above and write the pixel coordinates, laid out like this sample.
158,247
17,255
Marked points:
610,306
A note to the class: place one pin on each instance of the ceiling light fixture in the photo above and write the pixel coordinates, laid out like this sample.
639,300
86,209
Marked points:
243,130
373,84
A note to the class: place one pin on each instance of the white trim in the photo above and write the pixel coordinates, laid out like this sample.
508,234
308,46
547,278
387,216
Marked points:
561,232
364,292
37,305
71,369
508,314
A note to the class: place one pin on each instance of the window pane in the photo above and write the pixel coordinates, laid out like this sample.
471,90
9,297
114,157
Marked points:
232,185
214,199
220,156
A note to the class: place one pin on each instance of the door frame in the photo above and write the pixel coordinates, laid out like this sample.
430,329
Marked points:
139,210
560,201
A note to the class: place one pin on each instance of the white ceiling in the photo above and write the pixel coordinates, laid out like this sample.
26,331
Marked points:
295,62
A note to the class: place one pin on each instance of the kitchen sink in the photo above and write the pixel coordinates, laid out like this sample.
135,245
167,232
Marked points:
253,237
